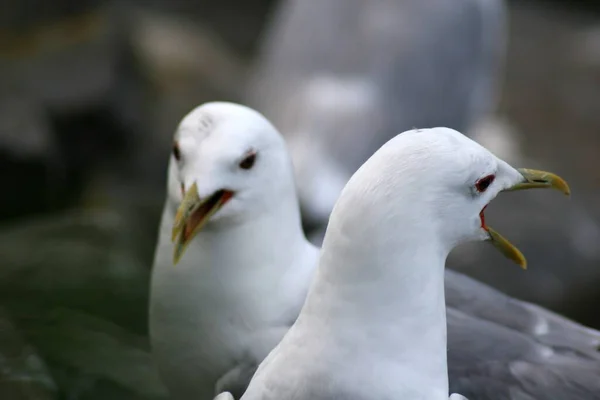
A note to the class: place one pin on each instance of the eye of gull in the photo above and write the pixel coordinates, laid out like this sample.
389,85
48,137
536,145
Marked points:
176,151
249,160
484,183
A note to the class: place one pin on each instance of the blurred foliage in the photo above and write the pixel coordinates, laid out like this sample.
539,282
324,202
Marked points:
83,261
23,374
77,292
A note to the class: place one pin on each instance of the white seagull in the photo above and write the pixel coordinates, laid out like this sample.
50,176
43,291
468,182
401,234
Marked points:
374,322
243,279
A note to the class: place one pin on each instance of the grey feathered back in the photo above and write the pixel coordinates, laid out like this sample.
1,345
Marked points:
500,348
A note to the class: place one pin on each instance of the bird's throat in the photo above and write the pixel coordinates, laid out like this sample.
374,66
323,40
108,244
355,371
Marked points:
391,306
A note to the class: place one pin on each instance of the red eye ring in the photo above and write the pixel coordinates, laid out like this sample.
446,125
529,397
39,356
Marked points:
485,182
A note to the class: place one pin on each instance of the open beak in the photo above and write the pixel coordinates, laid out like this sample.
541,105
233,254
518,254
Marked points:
192,215
532,179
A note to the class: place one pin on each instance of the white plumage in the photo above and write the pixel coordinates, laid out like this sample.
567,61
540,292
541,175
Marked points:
240,285
374,322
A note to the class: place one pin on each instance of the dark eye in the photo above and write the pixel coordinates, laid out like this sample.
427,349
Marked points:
176,151
485,182
248,162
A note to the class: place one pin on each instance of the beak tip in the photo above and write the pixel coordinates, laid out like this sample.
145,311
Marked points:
520,259
176,257
563,186
523,265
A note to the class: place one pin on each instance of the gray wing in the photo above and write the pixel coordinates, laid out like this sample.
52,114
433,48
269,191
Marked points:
235,381
501,348
483,302
341,77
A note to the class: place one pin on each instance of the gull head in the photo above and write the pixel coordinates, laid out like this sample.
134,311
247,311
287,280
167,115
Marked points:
228,165
440,183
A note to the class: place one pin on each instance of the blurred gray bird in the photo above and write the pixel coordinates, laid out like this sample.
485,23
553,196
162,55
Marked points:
374,322
341,77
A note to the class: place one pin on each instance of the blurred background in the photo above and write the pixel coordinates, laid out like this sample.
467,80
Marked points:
91,92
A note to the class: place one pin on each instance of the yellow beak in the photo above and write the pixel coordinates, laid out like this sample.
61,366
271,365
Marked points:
192,215
532,179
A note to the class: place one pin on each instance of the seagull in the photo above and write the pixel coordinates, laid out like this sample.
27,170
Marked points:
374,322
232,265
